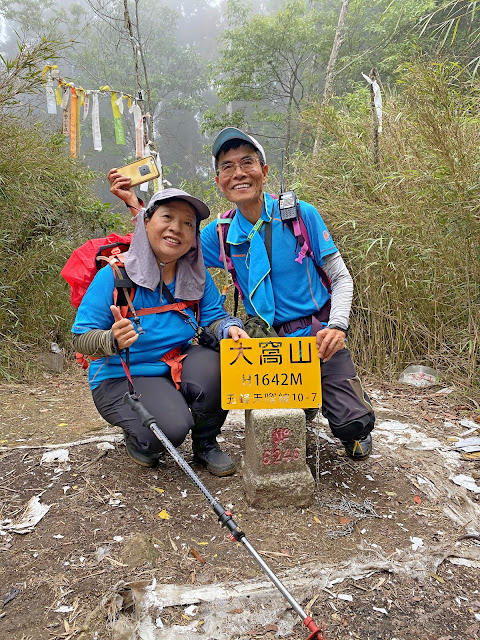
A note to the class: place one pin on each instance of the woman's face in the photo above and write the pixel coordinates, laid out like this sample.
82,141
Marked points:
171,230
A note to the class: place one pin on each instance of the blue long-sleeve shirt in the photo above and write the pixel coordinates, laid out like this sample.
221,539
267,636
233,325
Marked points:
163,331
297,288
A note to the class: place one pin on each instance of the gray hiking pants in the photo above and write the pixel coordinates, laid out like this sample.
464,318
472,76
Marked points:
199,391
345,404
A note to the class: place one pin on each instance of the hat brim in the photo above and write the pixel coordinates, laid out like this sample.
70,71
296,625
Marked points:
232,133
167,195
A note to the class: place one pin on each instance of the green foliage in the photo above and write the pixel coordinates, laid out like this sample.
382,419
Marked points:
47,208
392,39
174,76
269,62
22,74
408,230
455,27
175,72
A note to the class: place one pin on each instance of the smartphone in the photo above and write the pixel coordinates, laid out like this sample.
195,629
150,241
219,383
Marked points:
140,170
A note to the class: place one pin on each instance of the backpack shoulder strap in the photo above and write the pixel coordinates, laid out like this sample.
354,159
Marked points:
172,305
223,224
268,240
299,230
124,287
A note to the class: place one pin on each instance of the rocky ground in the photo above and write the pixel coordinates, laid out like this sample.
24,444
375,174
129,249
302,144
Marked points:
389,548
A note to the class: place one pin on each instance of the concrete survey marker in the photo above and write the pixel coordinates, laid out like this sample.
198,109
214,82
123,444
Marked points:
275,472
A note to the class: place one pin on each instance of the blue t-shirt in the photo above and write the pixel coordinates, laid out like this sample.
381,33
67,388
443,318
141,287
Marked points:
297,288
163,331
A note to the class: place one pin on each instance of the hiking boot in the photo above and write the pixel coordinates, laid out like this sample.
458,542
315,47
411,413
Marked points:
310,415
208,453
144,459
358,449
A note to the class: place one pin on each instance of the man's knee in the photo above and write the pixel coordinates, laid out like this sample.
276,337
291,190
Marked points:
355,429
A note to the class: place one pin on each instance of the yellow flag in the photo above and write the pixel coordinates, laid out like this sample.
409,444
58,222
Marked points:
49,67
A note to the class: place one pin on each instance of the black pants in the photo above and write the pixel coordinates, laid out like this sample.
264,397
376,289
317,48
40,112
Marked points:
199,391
345,404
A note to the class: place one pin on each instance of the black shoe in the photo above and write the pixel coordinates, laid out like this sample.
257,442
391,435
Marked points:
137,456
208,453
358,449
310,414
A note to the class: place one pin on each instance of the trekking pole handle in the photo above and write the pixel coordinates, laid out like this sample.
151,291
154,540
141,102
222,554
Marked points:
134,403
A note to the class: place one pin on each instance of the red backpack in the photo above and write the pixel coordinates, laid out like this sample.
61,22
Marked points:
83,264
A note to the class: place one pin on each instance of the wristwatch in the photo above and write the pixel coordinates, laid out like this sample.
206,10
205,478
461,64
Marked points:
336,326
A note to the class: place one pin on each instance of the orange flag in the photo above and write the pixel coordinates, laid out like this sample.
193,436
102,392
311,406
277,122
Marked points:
73,123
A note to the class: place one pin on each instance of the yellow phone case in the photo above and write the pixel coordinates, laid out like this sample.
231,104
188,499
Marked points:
140,170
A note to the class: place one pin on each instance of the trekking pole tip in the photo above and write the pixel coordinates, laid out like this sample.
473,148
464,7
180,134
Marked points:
316,631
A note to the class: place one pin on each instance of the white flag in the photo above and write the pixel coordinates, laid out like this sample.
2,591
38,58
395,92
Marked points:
377,99
97,136
86,104
51,100
119,102
138,120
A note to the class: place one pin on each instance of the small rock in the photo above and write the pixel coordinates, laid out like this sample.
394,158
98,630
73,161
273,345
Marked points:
138,550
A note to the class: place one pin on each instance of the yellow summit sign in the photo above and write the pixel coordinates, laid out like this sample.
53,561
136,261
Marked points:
270,373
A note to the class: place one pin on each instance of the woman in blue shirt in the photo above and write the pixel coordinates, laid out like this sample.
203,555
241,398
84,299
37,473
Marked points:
165,264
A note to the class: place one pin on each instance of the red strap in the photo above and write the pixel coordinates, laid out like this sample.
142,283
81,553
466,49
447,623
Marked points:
176,306
81,360
127,373
174,360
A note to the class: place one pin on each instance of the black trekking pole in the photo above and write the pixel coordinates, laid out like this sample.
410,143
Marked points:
224,517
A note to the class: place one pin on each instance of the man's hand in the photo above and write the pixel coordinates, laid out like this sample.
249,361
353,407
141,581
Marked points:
120,187
122,329
236,333
329,341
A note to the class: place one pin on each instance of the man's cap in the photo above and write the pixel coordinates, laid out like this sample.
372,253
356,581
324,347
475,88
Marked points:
161,197
232,133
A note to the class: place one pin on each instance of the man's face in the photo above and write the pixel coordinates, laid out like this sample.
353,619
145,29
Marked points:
242,185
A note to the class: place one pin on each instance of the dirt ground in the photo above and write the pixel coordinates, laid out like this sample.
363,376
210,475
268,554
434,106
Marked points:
407,570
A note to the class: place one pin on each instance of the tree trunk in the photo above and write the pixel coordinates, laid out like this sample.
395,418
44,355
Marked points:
332,62
144,64
129,27
337,44
137,50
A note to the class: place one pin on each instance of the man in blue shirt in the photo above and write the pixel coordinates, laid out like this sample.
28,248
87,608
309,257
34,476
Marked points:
285,289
